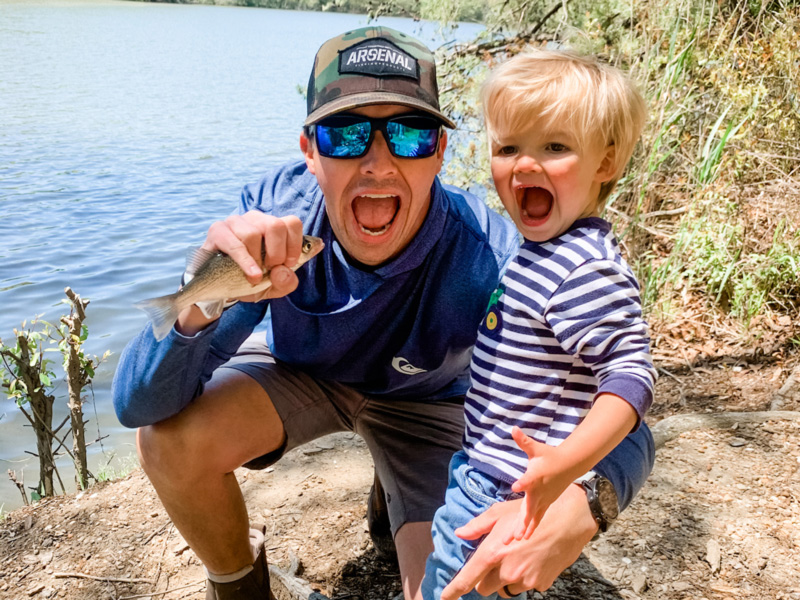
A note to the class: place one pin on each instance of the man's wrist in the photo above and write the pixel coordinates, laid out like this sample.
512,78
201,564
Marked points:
192,321
583,519
602,499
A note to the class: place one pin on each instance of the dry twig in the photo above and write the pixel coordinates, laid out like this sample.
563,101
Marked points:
12,475
151,594
96,578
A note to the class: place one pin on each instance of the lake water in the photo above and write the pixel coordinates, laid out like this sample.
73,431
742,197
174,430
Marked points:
126,128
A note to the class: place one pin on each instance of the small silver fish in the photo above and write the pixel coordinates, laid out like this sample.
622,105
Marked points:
216,278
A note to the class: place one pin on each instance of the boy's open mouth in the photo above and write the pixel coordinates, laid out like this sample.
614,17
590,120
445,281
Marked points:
536,204
375,213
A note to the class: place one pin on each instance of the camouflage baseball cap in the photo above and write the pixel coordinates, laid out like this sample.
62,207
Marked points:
372,65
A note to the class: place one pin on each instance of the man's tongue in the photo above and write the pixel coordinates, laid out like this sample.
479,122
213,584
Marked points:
375,214
536,202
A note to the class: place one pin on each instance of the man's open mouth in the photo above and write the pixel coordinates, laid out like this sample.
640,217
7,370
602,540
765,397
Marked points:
536,203
375,213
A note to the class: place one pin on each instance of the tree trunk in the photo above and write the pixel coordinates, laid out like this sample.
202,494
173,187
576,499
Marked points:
76,419
77,378
42,421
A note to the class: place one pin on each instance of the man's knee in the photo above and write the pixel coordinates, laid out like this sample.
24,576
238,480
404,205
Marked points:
165,448
232,423
180,447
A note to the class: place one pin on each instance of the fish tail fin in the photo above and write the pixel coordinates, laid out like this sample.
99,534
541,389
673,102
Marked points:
163,312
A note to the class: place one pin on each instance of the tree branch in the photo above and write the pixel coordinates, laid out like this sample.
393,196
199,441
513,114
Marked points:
503,43
672,427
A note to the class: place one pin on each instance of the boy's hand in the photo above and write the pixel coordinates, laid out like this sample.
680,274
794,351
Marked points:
543,482
531,564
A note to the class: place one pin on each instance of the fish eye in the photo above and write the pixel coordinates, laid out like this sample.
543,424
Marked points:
306,247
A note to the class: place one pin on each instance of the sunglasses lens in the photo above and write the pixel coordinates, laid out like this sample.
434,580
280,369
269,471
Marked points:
348,136
342,137
413,137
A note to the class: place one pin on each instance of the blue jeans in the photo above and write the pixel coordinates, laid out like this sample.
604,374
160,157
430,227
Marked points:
469,493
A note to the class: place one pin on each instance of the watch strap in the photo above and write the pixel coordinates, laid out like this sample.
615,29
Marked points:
589,485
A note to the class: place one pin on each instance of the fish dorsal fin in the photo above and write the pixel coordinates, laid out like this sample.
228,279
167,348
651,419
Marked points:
196,258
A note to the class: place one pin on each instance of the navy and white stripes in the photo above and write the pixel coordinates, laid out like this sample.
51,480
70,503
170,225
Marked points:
566,325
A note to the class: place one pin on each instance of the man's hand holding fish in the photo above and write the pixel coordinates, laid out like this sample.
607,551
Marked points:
242,237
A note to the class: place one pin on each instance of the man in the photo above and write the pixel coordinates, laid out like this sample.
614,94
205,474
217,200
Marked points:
373,335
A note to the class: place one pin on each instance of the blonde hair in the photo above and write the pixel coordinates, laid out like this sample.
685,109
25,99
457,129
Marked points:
562,89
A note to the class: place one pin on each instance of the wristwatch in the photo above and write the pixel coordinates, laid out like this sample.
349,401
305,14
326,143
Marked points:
602,497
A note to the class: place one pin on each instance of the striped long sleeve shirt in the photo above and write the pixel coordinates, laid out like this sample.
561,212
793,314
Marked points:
564,325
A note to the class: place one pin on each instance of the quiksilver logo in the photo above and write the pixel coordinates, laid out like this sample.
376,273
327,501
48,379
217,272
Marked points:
403,366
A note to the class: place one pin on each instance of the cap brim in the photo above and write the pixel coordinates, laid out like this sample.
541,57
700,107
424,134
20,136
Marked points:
367,99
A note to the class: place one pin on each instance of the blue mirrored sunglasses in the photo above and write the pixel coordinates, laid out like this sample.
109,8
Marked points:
350,136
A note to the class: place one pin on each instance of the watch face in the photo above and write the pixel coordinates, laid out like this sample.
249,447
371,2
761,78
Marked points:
607,498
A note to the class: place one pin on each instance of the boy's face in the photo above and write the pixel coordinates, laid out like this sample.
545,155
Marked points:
545,182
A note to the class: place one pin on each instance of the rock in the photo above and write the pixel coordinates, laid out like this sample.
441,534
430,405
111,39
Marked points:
737,442
639,583
713,555
681,586
789,393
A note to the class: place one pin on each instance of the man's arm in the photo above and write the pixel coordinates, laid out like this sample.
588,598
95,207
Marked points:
156,380
566,527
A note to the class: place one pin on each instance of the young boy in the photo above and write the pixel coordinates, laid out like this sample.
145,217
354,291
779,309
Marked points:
561,371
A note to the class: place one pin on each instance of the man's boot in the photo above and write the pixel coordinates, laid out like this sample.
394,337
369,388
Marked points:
378,521
252,586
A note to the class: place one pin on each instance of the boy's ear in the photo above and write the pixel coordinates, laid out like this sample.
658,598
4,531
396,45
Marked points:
608,166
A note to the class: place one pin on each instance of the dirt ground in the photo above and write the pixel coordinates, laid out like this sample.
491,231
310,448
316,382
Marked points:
719,518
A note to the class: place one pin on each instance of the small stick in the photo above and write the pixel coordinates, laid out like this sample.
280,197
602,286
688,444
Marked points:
155,533
150,594
668,374
114,579
12,475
